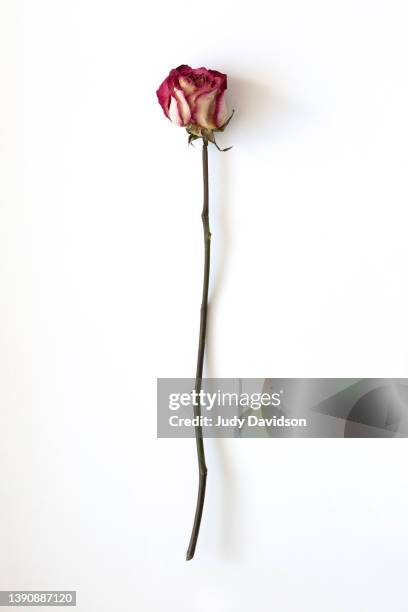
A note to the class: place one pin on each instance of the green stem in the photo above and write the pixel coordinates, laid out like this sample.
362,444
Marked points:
202,468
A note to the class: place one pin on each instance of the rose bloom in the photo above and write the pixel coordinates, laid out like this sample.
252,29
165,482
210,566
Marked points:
194,97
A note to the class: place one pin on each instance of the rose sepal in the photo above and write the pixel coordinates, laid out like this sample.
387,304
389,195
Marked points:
195,132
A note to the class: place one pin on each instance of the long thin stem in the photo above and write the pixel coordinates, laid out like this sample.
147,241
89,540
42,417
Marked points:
202,468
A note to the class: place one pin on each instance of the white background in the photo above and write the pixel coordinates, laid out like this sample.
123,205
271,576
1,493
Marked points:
101,262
